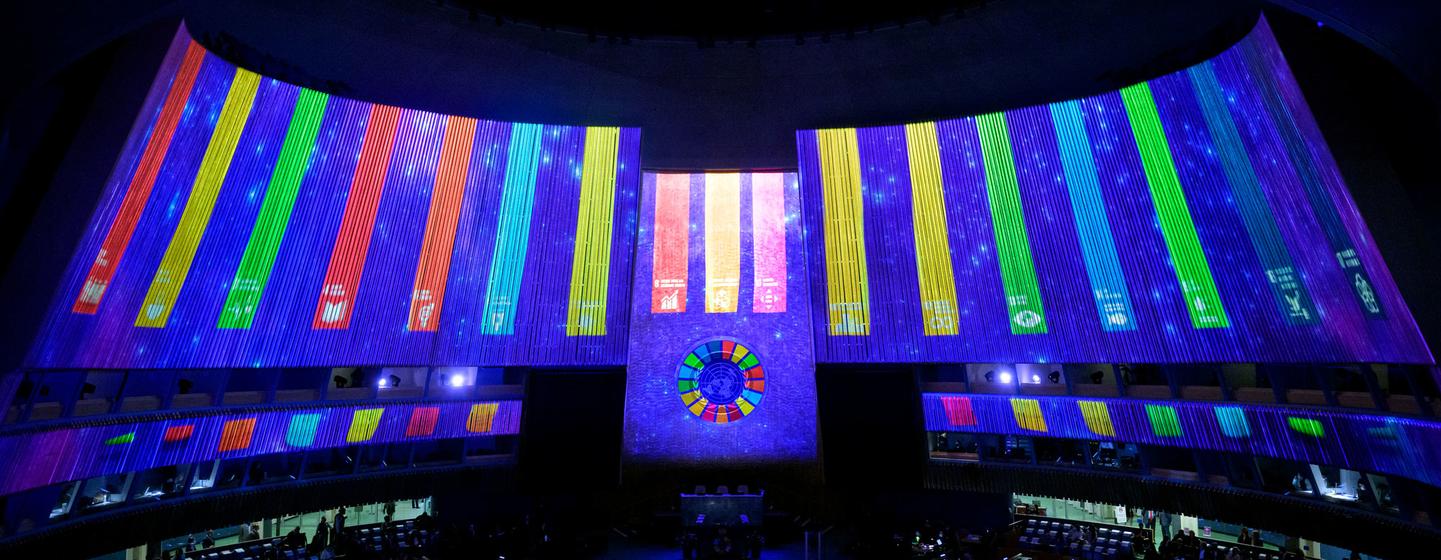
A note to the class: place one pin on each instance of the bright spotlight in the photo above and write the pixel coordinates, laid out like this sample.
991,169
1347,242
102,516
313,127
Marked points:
457,380
384,383
1005,377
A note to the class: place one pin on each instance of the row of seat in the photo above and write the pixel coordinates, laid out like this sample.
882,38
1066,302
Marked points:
1074,550
1101,532
1216,549
370,537
723,490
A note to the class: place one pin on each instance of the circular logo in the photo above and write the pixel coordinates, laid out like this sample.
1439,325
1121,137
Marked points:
721,381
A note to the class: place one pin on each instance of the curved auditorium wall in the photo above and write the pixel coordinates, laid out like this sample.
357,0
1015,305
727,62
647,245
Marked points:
250,223
1392,445
1196,217
55,454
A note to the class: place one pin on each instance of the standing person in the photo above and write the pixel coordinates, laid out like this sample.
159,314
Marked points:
339,523
321,540
1165,519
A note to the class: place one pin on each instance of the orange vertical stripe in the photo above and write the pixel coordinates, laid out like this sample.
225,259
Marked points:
445,198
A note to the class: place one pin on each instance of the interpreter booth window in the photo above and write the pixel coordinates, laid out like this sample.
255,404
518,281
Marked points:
1113,455
1060,452
159,482
102,492
954,445
1013,449
328,462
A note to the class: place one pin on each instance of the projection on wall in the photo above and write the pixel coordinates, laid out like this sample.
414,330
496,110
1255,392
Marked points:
721,369
1370,442
249,222
72,452
1196,217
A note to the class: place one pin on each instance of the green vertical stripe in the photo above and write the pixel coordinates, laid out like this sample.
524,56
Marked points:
1164,420
1018,271
275,209
1292,298
1187,259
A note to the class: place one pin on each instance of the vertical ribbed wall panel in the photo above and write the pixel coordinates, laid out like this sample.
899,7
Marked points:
1195,217
262,225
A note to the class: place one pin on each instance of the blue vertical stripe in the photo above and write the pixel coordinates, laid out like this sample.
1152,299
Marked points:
512,237
1098,248
1292,297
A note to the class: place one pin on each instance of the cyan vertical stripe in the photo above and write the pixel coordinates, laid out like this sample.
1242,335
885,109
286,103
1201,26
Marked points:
1098,247
512,237
1291,295
1342,248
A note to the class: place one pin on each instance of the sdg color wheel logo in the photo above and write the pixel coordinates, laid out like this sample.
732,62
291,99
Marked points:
721,381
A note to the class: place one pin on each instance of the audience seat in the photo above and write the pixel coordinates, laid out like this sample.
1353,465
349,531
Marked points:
1254,394
1403,404
234,398
295,395
1314,397
1161,392
140,403
192,400
1355,399
1202,393
91,407
1094,390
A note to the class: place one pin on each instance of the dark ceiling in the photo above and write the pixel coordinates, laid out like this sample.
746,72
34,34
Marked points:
706,22
714,84
730,104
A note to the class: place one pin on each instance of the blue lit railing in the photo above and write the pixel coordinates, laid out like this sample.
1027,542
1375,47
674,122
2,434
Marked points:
50,455
1406,447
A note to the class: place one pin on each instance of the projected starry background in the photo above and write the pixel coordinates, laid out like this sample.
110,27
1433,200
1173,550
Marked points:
252,223
1197,217
718,259
1370,442
62,453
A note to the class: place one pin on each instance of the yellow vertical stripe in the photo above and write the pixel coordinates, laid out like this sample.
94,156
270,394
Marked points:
847,288
1028,414
722,242
175,265
590,269
933,245
482,418
1098,418
363,424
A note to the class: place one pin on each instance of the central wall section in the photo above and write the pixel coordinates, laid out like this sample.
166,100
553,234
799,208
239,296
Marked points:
721,367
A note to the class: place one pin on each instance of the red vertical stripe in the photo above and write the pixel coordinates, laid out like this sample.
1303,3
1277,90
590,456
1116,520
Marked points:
959,411
138,192
434,266
672,243
179,433
347,259
422,421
